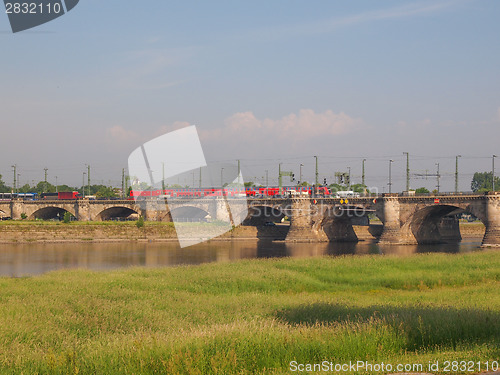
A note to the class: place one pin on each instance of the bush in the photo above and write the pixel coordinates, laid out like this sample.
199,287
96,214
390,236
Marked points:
140,223
24,216
67,217
422,190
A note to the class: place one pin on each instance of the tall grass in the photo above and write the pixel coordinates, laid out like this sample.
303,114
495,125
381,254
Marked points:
252,316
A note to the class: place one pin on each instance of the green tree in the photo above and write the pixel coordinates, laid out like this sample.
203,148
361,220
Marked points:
26,189
43,187
106,192
66,188
359,188
336,187
3,188
483,181
67,217
422,190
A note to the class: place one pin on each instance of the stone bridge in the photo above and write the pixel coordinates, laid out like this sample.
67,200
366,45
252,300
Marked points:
406,219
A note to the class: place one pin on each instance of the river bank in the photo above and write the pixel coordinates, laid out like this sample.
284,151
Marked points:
39,231
255,316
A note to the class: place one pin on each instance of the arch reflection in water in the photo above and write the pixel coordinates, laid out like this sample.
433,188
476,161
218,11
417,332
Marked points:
35,258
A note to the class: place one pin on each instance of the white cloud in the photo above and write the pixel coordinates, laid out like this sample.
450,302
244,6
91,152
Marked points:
331,24
243,130
304,125
118,134
243,133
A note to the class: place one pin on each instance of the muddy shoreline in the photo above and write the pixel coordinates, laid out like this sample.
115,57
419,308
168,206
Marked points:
61,233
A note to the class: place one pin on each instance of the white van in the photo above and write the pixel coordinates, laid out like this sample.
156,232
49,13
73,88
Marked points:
347,194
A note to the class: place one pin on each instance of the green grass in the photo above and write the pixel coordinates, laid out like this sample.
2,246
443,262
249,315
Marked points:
253,316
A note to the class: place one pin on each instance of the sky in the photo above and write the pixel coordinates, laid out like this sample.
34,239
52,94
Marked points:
266,82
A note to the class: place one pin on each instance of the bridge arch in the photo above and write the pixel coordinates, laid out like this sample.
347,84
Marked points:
117,212
3,214
261,214
437,223
190,214
50,212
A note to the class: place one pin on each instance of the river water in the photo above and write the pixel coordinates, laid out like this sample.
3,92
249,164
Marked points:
18,260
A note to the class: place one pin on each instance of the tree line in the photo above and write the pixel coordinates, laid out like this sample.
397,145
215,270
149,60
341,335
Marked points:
100,191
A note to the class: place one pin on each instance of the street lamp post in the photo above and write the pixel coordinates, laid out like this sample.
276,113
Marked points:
456,172
390,176
222,177
300,174
267,178
57,190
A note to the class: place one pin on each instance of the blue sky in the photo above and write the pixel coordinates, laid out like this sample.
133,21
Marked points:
264,81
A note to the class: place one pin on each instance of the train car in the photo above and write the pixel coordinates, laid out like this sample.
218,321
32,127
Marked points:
62,195
68,195
28,196
7,196
230,192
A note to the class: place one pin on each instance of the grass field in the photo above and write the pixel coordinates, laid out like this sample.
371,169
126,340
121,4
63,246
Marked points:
253,316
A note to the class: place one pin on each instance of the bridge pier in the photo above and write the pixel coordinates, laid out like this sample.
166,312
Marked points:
391,233
82,211
305,222
16,209
492,222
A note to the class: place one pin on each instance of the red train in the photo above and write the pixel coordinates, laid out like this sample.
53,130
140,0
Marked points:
231,192
61,195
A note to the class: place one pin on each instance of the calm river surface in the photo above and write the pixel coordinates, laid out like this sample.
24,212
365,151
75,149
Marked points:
35,258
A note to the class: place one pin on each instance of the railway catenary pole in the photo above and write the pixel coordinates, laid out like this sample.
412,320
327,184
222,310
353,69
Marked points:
407,170
456,172
83,184
88,177
438,177
123,183
349,178
14,168
363,173
316,179
390,177
493,172
162,176
45,183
